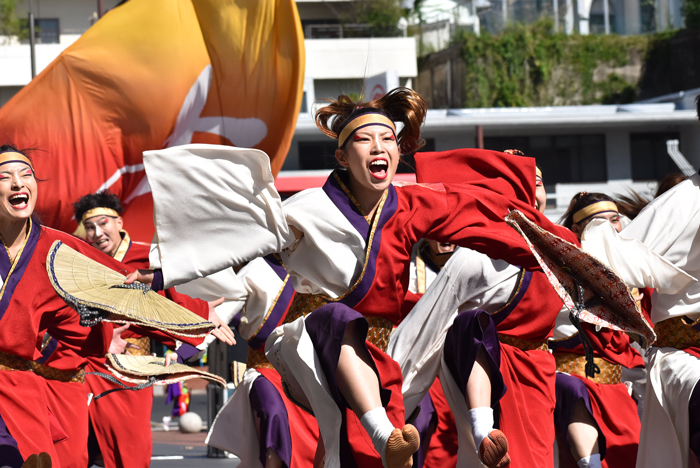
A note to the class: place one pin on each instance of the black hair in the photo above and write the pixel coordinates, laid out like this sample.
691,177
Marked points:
101,199
580,201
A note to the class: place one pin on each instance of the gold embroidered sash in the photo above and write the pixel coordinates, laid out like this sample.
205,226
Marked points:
676,333
523,345
575,364
10,362
144,343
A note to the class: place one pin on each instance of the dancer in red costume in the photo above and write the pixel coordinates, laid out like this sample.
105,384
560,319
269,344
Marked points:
347,247
595,415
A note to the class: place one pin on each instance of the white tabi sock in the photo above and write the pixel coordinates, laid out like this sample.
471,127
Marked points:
379,428
590,462
482,424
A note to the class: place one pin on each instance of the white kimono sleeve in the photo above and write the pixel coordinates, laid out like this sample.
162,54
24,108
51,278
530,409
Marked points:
213,207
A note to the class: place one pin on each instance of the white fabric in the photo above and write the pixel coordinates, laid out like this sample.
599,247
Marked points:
234,429
329,257
379,428
467,452
430,275
669,227
592,461
664,439
291,352
563,328
481,420
637,265
469,280
213,207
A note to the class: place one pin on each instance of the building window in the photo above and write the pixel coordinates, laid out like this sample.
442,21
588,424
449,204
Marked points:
562,158
650,159
597,17
46,30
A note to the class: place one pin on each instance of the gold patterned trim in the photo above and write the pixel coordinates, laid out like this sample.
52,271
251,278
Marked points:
10,362
523,345
575,364
676,333
514,294
143,342
365,119
123,246
420,269
595,208
379,332
256,359
269,311
350,196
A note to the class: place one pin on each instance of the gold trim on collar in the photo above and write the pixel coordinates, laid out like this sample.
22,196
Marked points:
514,294
269,310
9,156
123,246
16,259
595,208
364,119
99,211
350,196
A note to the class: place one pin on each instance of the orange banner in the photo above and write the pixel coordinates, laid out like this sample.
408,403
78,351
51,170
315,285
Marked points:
152,74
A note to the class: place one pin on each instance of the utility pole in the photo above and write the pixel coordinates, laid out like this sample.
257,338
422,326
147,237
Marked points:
100,9
555,7
606,14
32,49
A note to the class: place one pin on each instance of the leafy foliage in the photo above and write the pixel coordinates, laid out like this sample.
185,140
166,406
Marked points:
534,66
382,15
691,12
10,25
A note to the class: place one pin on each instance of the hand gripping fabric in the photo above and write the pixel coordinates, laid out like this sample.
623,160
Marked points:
98,293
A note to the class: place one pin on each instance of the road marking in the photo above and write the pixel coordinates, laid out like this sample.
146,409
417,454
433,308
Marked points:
169,457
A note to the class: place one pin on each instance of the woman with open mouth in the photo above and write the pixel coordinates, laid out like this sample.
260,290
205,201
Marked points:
347,247
40,405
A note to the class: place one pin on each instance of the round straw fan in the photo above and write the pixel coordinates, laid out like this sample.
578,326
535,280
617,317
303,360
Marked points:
606,298
138,369
98,293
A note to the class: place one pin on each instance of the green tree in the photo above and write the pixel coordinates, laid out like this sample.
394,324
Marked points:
10,25
691,12
381,15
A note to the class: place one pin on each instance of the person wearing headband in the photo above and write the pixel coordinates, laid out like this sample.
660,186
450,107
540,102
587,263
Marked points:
595,414
585,207
100,215
347,246
121,424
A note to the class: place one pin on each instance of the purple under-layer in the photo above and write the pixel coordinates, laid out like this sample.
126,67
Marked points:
280,308
462,344
186,352
569,390
326,327
6,265
9,453
48,351
274,421
425,423
340,199
694,417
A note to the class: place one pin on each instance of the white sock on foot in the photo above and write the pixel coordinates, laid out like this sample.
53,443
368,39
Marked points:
590,462
379,428
482,424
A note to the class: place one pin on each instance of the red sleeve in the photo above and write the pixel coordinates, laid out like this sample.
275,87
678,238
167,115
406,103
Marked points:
197,306
409,302
613,346
473,192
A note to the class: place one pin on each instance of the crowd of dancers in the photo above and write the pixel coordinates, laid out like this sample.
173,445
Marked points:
388,324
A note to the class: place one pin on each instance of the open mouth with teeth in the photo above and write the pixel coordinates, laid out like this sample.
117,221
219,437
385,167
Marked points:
379,168
19,201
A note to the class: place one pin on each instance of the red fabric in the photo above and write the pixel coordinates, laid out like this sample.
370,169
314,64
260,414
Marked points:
695,351
645,304
527,408
442,452
616,414
302,426
64,397
611,345
390,378
121,420
535,315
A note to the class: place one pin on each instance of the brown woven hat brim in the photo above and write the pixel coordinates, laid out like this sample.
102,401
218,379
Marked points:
566,264
138,369
96,291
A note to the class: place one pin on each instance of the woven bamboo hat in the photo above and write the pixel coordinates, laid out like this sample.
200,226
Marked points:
99,293
606,299
138,369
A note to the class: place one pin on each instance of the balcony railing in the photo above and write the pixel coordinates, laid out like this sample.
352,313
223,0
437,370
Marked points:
342,31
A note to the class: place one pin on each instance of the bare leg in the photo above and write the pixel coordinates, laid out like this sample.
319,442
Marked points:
359,385
356,379
479,383
583,435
